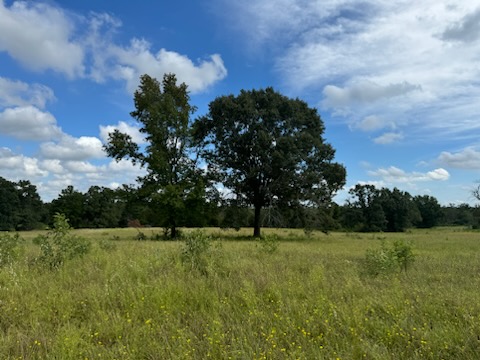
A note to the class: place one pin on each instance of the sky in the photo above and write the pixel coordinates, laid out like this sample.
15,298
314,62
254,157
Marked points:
397,83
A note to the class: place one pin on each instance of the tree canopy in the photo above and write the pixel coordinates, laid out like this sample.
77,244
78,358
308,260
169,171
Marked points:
269,149
163,114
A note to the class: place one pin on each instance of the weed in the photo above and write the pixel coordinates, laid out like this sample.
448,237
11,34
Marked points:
199,252
59,244
10,248
269,243
388,259
107,245
141,236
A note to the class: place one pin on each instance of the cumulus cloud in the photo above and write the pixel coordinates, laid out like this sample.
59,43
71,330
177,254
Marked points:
396,175
128,62
137,59
29,123
124,128
468,158
40,36
18,167
74,149
388,138
18,93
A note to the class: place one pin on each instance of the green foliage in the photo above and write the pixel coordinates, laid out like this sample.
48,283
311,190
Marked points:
141,236
163,114
10,248
305,302
372,209
388,259
269,243
269,150
107,245
59,245
200,253
20,206
430,211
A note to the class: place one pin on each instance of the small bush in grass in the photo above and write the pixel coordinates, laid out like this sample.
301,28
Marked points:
200,252
107,245
59,245
10,248
141,236
403,253
269,243
388,259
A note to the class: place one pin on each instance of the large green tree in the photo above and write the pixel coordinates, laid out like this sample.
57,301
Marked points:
269,149
20,205
71,203
364,211
163,112
430,211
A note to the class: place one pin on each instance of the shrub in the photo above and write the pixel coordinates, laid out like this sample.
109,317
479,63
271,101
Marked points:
59,244
269,243
9,248
388,259
141,236
200,253
403,253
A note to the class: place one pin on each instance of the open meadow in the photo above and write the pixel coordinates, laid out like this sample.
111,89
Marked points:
291,296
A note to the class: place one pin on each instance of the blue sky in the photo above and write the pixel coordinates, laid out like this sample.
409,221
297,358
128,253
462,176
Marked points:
397,83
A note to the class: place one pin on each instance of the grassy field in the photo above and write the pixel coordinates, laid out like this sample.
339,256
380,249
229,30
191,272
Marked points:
307,299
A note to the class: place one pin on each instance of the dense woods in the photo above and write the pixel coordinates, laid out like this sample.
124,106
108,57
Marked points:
369,209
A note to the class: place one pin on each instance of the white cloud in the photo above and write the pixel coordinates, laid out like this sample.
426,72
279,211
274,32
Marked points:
53,166
43,36
83,167
40,37
75,149
18,93
396,175
364,92
29,123
468,158
372,123
17,167
388,138
124,128
396,60
137,59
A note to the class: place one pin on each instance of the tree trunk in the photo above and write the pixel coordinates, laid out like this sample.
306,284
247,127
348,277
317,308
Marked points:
173,232
256,221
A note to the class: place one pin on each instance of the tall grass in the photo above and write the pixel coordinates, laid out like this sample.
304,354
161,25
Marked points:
308,299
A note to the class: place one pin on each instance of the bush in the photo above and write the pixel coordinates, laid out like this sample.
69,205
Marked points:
199,252
60,245
269,243
387,260
9,248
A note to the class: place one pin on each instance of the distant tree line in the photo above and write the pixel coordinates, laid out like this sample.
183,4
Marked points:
265,151
369,209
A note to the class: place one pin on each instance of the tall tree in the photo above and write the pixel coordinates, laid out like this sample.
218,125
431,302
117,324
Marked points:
30,210
71,203
430,211
364,210
269,149
163,113
399,208
9,204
